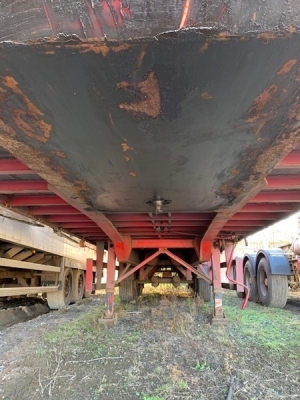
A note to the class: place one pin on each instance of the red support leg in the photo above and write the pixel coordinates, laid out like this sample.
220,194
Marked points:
110,283
99,263
89,276
218,315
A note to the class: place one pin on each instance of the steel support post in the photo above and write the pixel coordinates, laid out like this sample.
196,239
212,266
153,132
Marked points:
218,315
89,276
110,283
99,263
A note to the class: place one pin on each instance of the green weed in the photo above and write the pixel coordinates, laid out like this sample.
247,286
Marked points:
201,366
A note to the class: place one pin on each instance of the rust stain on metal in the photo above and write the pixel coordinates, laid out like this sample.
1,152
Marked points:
204,47
148,93
38,161
29,118
223,36
292,29
81,186
234,172
60,154
267,36
126,147
206,96
141,57
132,174
258,109
127,158
100,48
294,111
285,69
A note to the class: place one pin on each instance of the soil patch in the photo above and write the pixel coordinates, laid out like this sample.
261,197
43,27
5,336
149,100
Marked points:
162,347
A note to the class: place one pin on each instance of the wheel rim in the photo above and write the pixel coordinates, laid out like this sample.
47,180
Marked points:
263,283
248,279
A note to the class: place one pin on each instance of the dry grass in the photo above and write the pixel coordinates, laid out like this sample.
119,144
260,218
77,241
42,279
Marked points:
163,348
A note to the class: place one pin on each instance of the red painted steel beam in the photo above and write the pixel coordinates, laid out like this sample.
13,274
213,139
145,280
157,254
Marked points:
165,224
89,276
14,167
86,231
76,225
21,201
277,197
167,243
161,217
241,216
53,210
242,223
225,214
267,207
98,217
68,218
292,160
140,265
186,265
23,186
283,182
151,229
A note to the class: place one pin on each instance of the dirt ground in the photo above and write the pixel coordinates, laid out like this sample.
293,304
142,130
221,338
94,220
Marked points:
162,347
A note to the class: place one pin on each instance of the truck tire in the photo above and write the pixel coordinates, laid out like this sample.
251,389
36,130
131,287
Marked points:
61,298
205,290
250,282
272,289
127,289
78,285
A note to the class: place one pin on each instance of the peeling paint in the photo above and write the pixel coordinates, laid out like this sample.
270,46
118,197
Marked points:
267,36
258,108
141,57
148,93
204,47
100,48
28,118
60,154
126,147
285,69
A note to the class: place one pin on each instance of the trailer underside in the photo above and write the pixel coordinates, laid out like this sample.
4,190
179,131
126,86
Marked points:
124,130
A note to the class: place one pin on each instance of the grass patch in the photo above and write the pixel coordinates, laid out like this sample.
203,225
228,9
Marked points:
271,328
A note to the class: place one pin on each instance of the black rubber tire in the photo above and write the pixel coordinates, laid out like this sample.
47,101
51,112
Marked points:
78,285
205,290
250,282
272,289
61,298
128,289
